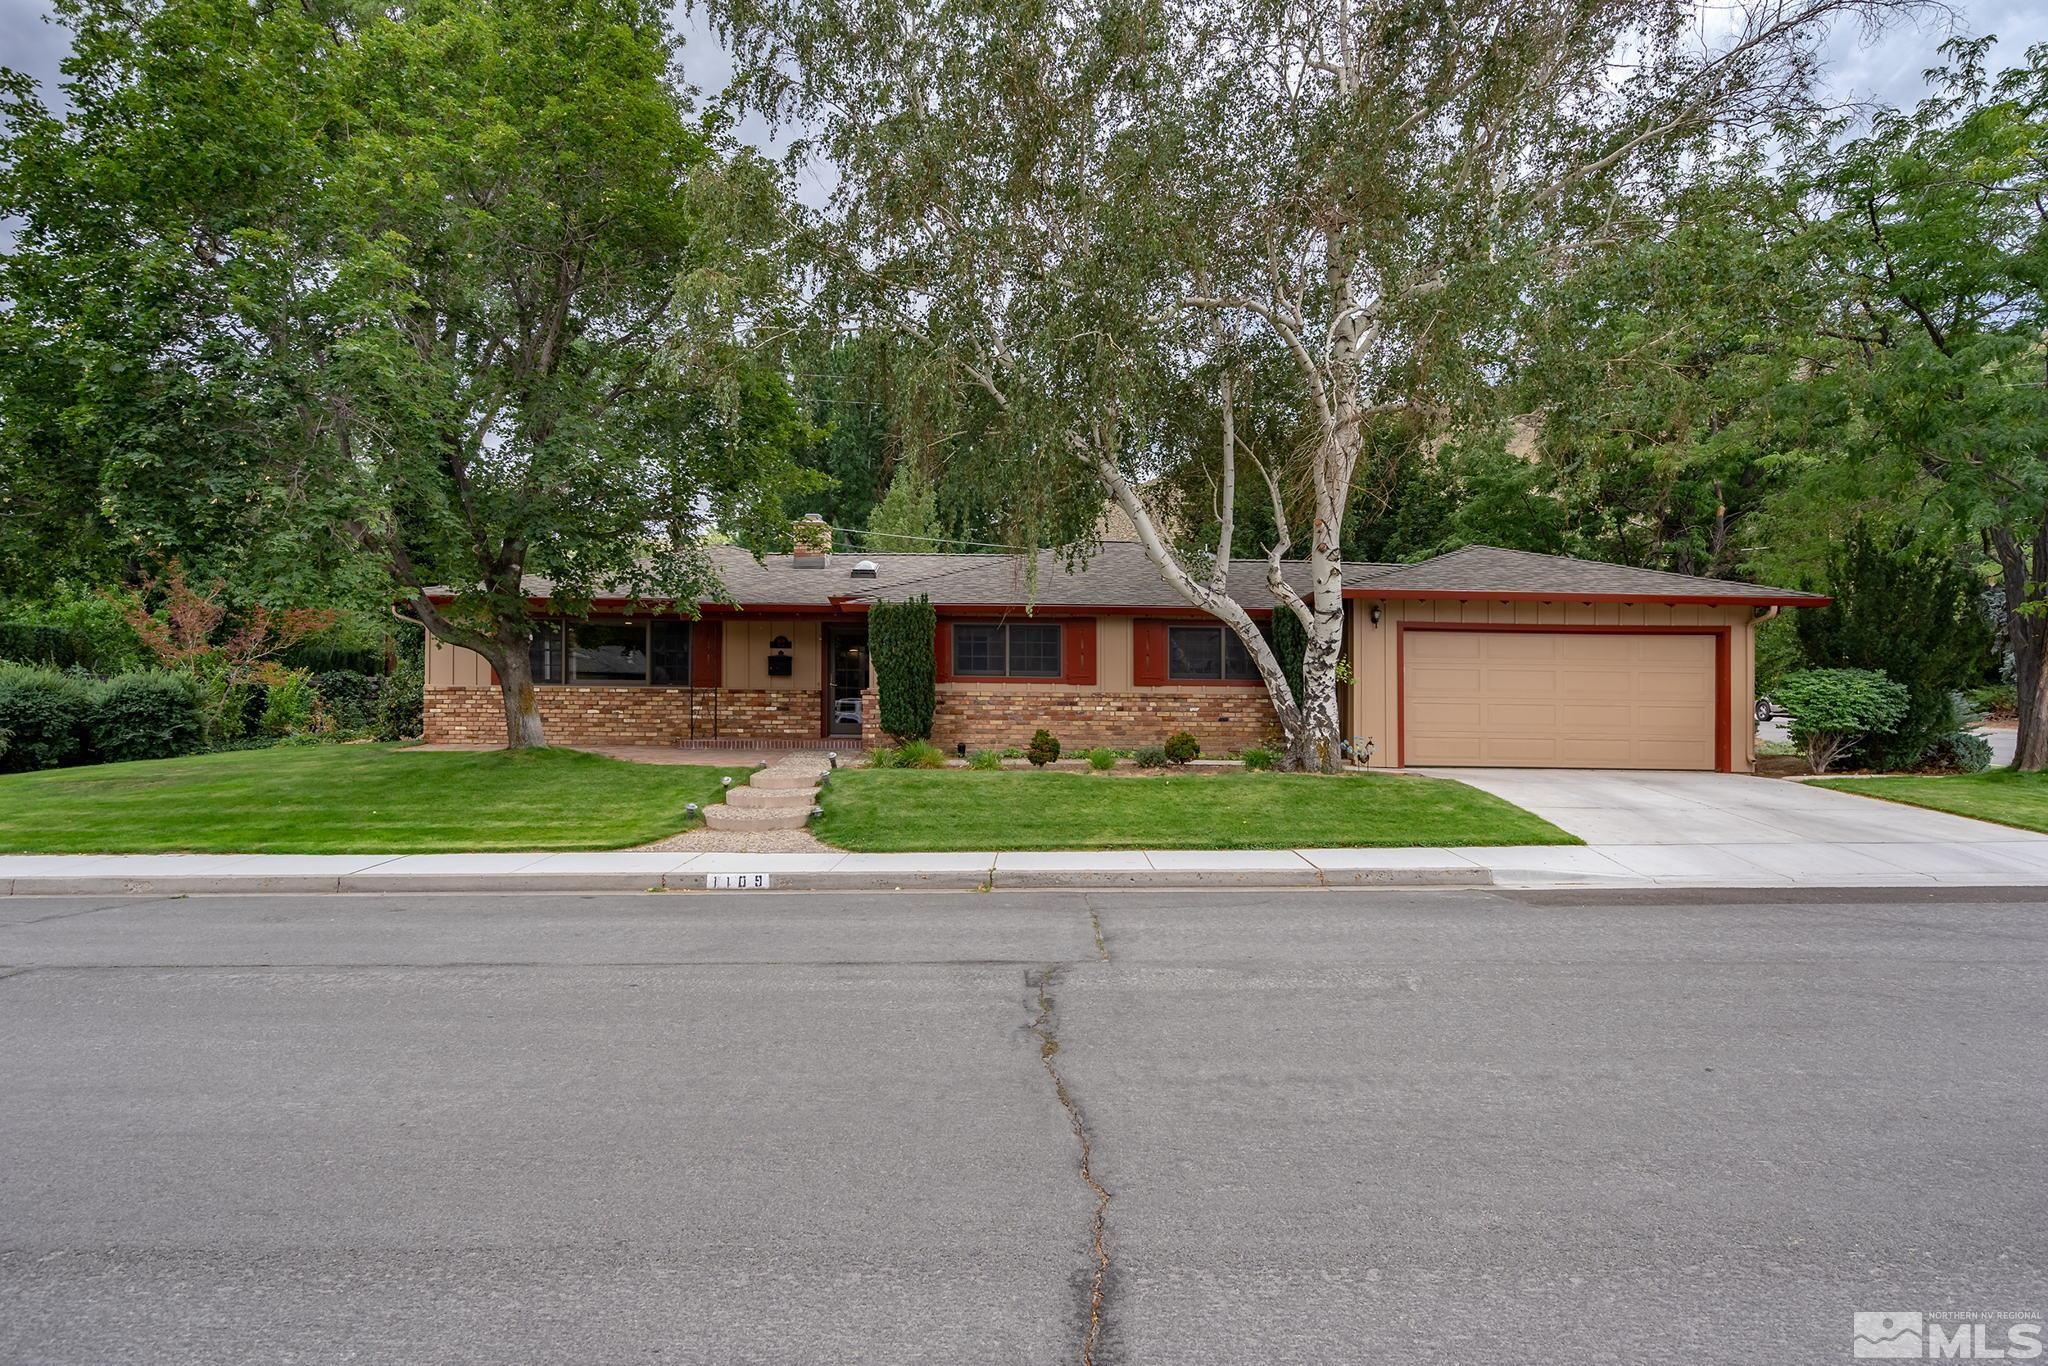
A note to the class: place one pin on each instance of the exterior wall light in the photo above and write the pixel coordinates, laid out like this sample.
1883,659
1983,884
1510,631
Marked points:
1375,614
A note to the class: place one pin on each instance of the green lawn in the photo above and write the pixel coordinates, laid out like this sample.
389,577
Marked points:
2001,795
894,810
350,799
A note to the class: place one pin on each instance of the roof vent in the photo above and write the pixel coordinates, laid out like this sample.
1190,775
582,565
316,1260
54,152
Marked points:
865,570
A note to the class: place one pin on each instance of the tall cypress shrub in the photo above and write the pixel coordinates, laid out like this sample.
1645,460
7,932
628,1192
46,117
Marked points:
1290,645
1913,611
900,636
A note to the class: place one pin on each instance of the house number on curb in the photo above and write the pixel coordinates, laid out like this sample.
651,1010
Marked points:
735,882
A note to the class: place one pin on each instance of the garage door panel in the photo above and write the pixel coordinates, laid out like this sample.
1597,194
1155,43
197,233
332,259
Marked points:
1521,715
1449,717
1560,699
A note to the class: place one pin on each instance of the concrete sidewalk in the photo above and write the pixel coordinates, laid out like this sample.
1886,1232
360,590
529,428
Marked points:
2020,861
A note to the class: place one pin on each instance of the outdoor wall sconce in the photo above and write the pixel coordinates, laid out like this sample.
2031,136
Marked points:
1375,614
779,643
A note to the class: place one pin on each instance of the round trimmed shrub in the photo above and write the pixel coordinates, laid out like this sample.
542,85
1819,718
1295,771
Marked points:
1834,708
1044,749
43,713
1182,748
1149,756
145,716
1102,760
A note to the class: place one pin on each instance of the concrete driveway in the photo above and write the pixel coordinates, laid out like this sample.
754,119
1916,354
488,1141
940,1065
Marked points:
1612,807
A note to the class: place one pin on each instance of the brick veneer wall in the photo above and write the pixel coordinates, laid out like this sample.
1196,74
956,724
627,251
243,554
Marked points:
627,716
1221,719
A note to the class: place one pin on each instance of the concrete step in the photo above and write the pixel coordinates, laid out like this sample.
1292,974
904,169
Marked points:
802,776
801,798
724,817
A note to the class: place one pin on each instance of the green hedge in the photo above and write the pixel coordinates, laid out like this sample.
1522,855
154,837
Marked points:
144,716
54,719
44,714
900,636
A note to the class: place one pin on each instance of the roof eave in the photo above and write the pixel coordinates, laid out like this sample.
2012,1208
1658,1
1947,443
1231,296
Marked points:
1762,598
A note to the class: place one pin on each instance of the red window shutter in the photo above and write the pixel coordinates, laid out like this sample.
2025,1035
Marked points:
1148,653
942,652
1077,648
707,654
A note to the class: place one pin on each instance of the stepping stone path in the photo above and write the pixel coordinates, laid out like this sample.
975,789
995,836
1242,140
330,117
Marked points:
779,797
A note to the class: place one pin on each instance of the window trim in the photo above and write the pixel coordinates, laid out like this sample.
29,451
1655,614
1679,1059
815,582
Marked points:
957,674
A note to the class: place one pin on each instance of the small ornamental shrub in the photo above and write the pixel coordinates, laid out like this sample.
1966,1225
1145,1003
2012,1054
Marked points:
145,716
1012,752
1999,702
920,754
1255,758
43,713
1959,751
1181,748
1832,709
1149,756
290,706
350,699
985,760
401,704
1102,760
1044,748
884,756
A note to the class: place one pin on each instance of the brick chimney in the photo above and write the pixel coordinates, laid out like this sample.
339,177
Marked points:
811,539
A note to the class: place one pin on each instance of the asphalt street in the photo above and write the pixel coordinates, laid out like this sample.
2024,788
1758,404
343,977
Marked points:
1319,1126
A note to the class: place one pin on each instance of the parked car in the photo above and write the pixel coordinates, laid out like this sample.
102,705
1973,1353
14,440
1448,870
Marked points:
1766,709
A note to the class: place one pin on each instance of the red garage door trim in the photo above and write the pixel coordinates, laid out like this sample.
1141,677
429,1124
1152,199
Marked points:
1724,675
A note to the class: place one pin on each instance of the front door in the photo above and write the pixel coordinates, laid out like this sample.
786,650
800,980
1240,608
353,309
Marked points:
846,677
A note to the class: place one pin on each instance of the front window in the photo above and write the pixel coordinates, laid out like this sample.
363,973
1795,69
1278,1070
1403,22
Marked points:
653,652
1015,650
544,652
1208,653
608,652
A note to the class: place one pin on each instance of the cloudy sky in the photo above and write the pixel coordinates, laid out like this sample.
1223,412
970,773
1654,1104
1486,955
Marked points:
1885,70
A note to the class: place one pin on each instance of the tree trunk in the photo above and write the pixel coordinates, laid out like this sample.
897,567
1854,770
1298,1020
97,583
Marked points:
2029,637
522,711
2026,630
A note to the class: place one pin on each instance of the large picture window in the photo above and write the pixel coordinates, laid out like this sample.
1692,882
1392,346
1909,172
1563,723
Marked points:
1208,654
647,652
1007,650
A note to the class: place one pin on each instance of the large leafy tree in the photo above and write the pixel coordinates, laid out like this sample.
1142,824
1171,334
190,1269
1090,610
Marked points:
1925,378
440,288
1085,206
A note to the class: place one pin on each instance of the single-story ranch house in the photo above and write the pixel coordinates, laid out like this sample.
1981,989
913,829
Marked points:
1479,657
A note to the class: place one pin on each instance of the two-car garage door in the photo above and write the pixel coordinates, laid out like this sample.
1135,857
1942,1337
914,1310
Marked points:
1536,699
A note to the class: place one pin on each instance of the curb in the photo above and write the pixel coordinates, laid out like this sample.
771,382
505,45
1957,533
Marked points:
948,879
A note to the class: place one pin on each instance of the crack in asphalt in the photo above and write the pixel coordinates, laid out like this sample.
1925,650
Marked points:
1048,1050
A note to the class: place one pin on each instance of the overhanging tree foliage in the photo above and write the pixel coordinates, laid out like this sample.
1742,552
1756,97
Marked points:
900,641
1086,207
446,277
